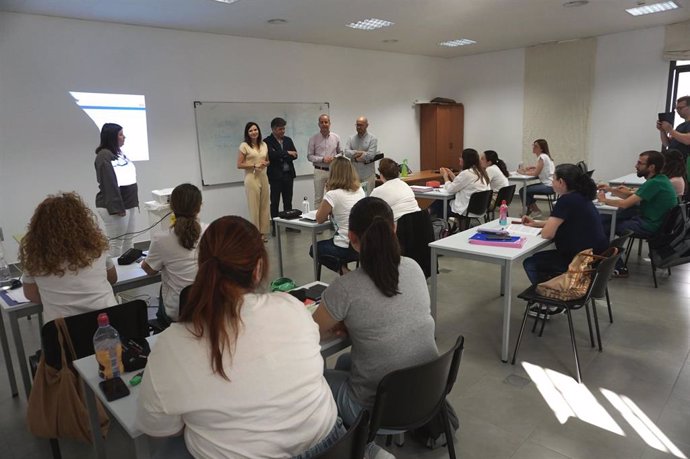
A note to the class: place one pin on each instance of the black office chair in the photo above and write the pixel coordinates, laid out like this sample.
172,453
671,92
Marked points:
507,193
129,319
415,232
353,443
667,226
583,166
597,289
409,398
476,209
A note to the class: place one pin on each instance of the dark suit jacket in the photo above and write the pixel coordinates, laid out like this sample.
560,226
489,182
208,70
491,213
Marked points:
279,156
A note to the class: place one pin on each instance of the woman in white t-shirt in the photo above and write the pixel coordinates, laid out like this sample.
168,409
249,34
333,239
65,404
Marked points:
394,191
471,179
174,253
544,171
496,170
240,374
64,255
343,190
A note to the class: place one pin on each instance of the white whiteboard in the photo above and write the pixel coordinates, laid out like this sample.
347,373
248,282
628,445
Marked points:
220,131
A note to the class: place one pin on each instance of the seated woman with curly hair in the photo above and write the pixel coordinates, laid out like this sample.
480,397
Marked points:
64,255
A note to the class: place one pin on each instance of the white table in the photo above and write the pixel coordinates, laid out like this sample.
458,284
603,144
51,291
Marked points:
300,224
128,277
628,180
124,410
610,210
457,245
437,193
524,179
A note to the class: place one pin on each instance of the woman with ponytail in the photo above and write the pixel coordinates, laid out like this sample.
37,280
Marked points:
173,253
384,307
241,373
574,225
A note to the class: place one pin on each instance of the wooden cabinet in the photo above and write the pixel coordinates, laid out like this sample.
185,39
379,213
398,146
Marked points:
441,135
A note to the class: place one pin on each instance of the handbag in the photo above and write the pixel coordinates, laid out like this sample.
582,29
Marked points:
290,214
575,282
57,405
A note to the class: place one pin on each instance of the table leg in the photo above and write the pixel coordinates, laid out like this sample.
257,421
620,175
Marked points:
21,355
315,251
612,235
141,447
98,442
524,198
280,251
503,280
8,358
505,271
445,209
433,282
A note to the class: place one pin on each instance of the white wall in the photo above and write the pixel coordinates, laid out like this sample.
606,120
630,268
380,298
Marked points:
47,142
491,87
629,90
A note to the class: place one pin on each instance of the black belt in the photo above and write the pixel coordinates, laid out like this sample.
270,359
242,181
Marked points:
321,168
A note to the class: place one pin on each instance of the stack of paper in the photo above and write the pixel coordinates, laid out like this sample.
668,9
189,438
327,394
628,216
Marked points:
421,188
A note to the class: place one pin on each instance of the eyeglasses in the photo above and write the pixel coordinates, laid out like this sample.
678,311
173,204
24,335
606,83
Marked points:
640,163
681,107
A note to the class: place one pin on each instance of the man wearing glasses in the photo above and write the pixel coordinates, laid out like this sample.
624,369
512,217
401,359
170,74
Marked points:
679,138
655,198
361,149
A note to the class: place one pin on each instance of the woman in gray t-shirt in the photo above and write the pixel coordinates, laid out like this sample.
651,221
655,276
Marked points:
383,306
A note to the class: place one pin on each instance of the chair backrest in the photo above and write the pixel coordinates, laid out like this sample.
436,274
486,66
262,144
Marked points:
415,232
507,193
129,319
353,443
590,173
479,202
410,397
583,166
604,271
621,240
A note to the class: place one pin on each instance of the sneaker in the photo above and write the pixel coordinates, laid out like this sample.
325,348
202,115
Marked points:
374,451
620,272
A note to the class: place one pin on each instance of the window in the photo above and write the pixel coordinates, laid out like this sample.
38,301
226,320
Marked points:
678,85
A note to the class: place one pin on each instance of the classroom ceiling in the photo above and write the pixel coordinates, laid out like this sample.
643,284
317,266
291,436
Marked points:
419,25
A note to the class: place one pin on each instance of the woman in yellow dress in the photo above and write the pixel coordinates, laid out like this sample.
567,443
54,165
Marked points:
253,158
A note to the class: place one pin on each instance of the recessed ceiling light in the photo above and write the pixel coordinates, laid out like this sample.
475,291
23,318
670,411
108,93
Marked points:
228,1
370,24
390,40
277,21
458,42
643,9
575,3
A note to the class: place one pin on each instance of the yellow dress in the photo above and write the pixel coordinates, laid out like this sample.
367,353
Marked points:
256,187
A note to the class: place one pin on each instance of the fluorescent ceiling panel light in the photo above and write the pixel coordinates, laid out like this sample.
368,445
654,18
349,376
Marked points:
653,8
228,1
458,42
370,24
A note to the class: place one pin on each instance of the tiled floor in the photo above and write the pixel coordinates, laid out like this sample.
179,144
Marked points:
634,403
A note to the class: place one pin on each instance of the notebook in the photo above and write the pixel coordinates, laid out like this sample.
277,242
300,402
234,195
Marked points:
486,239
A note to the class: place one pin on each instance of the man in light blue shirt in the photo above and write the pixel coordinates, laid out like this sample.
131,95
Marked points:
361,149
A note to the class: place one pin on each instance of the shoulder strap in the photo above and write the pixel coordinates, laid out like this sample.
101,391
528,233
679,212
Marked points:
65,340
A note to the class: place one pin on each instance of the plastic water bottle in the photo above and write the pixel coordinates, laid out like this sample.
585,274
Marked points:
106,343
305,206
503,214
4,267
404,170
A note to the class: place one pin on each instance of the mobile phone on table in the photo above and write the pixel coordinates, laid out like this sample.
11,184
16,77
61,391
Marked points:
114,388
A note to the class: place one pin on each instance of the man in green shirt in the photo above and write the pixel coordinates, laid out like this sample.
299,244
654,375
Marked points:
655,198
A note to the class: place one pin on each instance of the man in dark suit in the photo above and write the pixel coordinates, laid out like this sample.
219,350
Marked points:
281,171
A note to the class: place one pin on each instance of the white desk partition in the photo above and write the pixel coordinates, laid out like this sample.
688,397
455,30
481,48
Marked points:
457,245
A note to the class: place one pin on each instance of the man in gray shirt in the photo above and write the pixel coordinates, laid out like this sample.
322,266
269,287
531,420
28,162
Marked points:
361,149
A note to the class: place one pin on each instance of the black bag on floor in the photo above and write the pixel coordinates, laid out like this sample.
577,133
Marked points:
432,434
